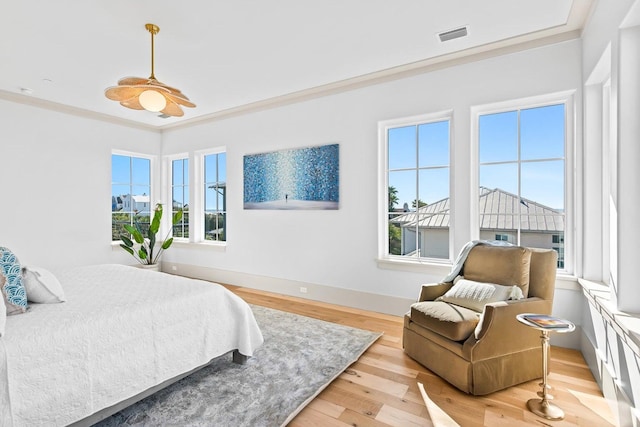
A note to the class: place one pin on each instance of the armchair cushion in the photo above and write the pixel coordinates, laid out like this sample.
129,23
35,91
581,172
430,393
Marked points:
451,321
503,265
474,295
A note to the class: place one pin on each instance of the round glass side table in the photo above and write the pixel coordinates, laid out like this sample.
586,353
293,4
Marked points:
545,324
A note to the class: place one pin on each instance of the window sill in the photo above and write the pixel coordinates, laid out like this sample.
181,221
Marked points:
626,325
214,246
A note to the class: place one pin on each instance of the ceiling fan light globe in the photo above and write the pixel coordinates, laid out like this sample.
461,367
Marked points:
152,101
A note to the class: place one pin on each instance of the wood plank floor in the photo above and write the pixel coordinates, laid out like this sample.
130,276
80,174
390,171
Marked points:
380,389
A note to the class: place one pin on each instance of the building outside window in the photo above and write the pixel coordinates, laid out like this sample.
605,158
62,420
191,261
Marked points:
130,193
215,197
522,175
180,196
417,174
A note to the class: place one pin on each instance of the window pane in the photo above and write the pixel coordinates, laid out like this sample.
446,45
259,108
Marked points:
501,176
210,168
130,193
434,235
120,169
215,197
117,193
543,182
418,192
402,184
141,172
523,199
395,235
433,141
434,186
542,132
214,226
222,167
498,136
402,147
178,197
118,220
178,172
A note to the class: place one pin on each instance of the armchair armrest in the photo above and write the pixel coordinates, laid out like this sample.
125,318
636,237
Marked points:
431,291
501,333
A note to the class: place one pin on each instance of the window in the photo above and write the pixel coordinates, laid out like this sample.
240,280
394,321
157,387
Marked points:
522,175
180,196
215,197
417,187
560,251
130,193
502,237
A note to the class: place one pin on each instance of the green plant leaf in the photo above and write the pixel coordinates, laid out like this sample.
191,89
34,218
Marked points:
135,232
167,243
155,222
142,253
128,249
127,241
152,240
177,217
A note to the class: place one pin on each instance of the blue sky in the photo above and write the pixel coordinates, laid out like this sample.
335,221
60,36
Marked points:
541,146
133,170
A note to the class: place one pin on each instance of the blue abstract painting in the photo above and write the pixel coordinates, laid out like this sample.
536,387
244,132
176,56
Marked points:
302,178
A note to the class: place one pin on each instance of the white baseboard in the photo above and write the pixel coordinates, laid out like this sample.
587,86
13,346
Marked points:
347,297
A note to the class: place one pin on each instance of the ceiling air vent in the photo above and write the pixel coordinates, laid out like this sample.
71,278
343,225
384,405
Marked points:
453,34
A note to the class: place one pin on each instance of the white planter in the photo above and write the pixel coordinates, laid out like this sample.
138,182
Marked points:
151,267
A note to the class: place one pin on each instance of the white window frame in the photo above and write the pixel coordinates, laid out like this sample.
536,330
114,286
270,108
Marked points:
198,197
383,187
168,186
570,194
152,184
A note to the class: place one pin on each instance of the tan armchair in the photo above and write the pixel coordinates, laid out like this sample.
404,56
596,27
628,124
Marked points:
442,336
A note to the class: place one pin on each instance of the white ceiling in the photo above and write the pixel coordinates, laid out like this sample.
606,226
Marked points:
228,54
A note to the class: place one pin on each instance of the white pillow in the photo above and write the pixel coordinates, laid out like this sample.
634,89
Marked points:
42,286
474,295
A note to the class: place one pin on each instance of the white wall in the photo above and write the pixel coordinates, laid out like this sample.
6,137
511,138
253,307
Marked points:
55,170
339,248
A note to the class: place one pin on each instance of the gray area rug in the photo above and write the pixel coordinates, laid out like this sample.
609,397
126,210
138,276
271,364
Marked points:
299,358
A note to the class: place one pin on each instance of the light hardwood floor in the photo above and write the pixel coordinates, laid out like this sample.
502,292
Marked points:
380,389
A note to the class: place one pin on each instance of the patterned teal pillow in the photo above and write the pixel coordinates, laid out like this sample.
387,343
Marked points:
13,292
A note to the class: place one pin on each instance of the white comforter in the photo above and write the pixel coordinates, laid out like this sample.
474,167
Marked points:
121,331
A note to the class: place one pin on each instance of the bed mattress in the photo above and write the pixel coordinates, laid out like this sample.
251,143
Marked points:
121,331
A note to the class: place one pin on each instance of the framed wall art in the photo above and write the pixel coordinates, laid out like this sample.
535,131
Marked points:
301,178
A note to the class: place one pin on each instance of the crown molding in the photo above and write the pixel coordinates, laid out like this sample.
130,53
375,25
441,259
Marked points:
74,111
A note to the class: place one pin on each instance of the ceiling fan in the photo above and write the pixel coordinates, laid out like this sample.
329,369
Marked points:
149,94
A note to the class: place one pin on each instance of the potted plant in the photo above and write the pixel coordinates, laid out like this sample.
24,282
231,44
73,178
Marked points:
142,248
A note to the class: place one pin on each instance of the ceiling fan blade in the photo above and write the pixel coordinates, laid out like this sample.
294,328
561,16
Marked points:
120,93
158,83
172,109
132,103
133,81
180,99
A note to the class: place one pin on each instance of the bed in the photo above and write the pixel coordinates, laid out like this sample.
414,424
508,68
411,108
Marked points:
121,333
